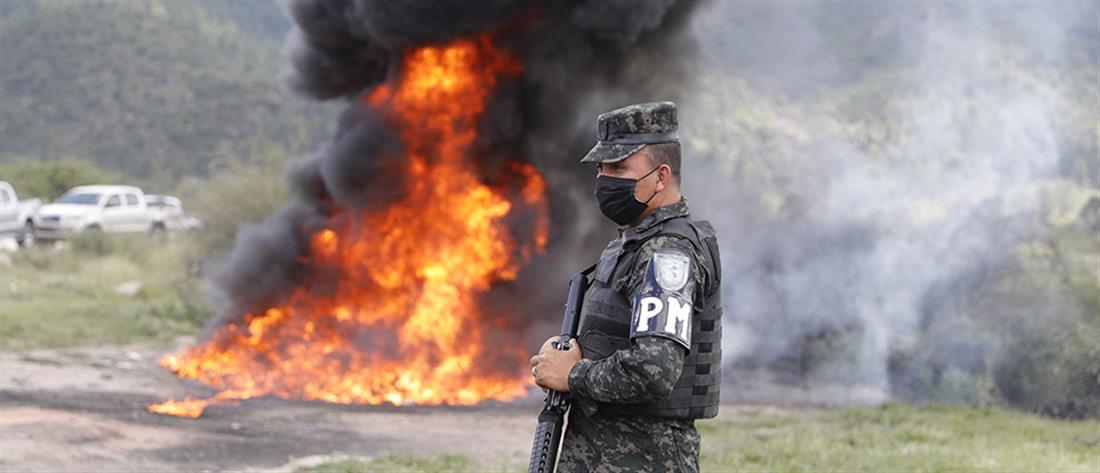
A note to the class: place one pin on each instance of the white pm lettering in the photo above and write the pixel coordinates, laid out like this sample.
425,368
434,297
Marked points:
651,307
678,312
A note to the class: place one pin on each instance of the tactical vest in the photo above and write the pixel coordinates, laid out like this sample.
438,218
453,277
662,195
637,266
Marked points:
606,317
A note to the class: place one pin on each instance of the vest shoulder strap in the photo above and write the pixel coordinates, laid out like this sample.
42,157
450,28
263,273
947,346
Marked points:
702,237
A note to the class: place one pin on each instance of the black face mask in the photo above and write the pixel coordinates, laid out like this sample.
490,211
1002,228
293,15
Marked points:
616,198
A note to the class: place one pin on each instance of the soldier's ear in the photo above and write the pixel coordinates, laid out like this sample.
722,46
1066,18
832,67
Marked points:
665,176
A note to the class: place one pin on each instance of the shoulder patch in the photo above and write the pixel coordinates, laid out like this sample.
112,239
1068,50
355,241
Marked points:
671,270
663,305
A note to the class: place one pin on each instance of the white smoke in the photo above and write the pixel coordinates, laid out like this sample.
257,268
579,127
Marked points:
850,202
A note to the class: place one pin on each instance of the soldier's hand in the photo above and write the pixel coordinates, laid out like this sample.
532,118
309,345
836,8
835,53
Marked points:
547,345
551,366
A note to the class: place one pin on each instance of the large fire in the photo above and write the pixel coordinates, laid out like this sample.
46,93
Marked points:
402,325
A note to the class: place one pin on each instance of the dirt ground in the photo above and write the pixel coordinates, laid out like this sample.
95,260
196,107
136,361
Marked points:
84,409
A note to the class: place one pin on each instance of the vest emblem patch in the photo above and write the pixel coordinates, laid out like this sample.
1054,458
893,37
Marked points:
671,270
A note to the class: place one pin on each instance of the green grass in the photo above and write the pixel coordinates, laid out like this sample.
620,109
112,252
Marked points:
66,297
402,463
899,438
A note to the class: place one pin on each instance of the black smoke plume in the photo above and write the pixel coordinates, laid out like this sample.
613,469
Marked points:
572,51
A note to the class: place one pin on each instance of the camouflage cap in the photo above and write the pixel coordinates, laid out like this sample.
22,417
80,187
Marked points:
624,131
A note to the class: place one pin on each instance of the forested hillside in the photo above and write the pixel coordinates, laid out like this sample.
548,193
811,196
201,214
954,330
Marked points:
151,90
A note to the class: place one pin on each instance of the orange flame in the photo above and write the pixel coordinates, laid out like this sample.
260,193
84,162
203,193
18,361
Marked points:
402,325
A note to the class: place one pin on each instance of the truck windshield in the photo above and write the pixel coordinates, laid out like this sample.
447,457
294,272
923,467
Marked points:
79,198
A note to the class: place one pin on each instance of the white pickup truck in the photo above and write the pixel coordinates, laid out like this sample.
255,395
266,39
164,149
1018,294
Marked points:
109,209
169,210
18,218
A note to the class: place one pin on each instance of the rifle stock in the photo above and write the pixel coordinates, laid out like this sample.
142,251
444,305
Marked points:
544,453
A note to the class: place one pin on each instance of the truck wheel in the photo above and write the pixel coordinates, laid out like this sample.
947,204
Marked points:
157,231
26,238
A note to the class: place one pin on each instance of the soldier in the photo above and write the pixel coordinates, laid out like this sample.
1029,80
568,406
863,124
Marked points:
650,334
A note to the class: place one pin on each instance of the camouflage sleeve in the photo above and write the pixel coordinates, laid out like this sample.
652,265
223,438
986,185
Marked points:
648,370
644,373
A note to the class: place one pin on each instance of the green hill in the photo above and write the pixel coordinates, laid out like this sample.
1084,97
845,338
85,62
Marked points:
260,18
151,90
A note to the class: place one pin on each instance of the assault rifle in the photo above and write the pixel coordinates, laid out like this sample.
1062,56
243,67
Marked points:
544,454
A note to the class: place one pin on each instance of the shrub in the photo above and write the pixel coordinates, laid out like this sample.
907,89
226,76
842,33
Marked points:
49,179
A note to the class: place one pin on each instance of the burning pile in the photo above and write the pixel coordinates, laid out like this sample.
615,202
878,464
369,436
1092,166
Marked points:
406,276
380,279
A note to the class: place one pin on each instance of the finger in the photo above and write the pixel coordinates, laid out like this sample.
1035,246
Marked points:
548,344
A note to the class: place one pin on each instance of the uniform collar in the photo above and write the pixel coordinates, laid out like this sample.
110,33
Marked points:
678,209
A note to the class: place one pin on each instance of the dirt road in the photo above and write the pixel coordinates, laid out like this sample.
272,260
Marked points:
84,410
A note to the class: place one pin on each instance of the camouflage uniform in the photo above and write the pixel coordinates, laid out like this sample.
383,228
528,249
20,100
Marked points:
650,332
599,442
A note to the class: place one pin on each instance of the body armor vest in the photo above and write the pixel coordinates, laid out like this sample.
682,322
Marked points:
606,318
